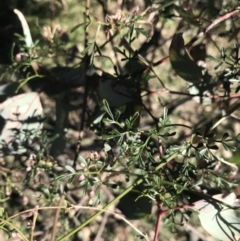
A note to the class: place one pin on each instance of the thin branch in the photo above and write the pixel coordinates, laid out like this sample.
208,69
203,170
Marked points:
35,215
102,226
76,207
116,199
161,213
84,63
56,217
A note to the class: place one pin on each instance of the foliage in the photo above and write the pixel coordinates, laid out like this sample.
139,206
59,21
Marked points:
166,119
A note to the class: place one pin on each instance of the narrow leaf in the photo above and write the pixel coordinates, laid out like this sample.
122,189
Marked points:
25,27
69,168
77,26
84,52
107,109
117,50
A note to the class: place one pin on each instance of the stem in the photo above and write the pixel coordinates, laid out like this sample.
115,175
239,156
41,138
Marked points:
34,223
84,108
158,224
23,82
183,125
16,229
54,229
137,182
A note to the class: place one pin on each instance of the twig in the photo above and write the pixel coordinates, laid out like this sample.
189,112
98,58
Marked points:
109,196
116,199
159,221
85,63
115,214
35,215
202,33
54,228
102,226
229,112
75,207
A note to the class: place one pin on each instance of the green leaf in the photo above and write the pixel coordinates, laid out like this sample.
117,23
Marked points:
78,26
128,124
223,53
134,118
112,135
69,168
89,45
120,140
142,31
131,31
1,212
117,50
107,109
221,221
109,121
97,49
165,113
71,179
117,114
87,16
82,161
182,63
92,56
203,151
228,147
218,65
213,147
225,136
